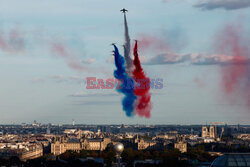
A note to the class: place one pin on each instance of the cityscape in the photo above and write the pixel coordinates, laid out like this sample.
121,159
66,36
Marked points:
40,144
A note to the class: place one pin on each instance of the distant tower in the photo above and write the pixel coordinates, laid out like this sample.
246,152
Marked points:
136,139
79,134
48,130
99,132
221,133
192,131
73,122
211,132
204,131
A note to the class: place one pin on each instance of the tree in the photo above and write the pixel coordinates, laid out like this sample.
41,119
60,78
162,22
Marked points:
93,154
83,153
139,154
127,154
147,155
156,154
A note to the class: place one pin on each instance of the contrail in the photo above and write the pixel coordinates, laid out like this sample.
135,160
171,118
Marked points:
127,83
129,61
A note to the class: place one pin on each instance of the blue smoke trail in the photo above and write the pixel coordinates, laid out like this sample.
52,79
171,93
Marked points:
127,83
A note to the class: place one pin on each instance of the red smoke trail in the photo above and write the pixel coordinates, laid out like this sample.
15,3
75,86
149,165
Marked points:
3,44
152,43
235,76
71,60
12,42
143,104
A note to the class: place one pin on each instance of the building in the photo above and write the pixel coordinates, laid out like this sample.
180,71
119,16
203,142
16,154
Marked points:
61,145
244,136
143,144
30,152
234,159
204,131
181,145
96,144
211,132
146,144
70,131
208,134
208,140
33,152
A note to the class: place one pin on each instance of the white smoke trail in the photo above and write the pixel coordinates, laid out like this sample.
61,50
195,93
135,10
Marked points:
129,61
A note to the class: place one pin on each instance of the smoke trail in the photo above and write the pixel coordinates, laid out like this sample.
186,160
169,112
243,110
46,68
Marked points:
143,104
233,41
152,43
12,42
127,84
71,60
129,62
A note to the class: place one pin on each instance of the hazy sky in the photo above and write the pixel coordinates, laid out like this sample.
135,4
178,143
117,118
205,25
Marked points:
47,84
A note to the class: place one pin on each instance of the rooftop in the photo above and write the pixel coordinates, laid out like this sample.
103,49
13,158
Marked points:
234,160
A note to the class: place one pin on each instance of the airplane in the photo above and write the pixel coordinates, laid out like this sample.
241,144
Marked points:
113,52
123,10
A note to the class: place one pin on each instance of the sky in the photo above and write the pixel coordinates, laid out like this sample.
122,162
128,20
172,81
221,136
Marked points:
198,47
